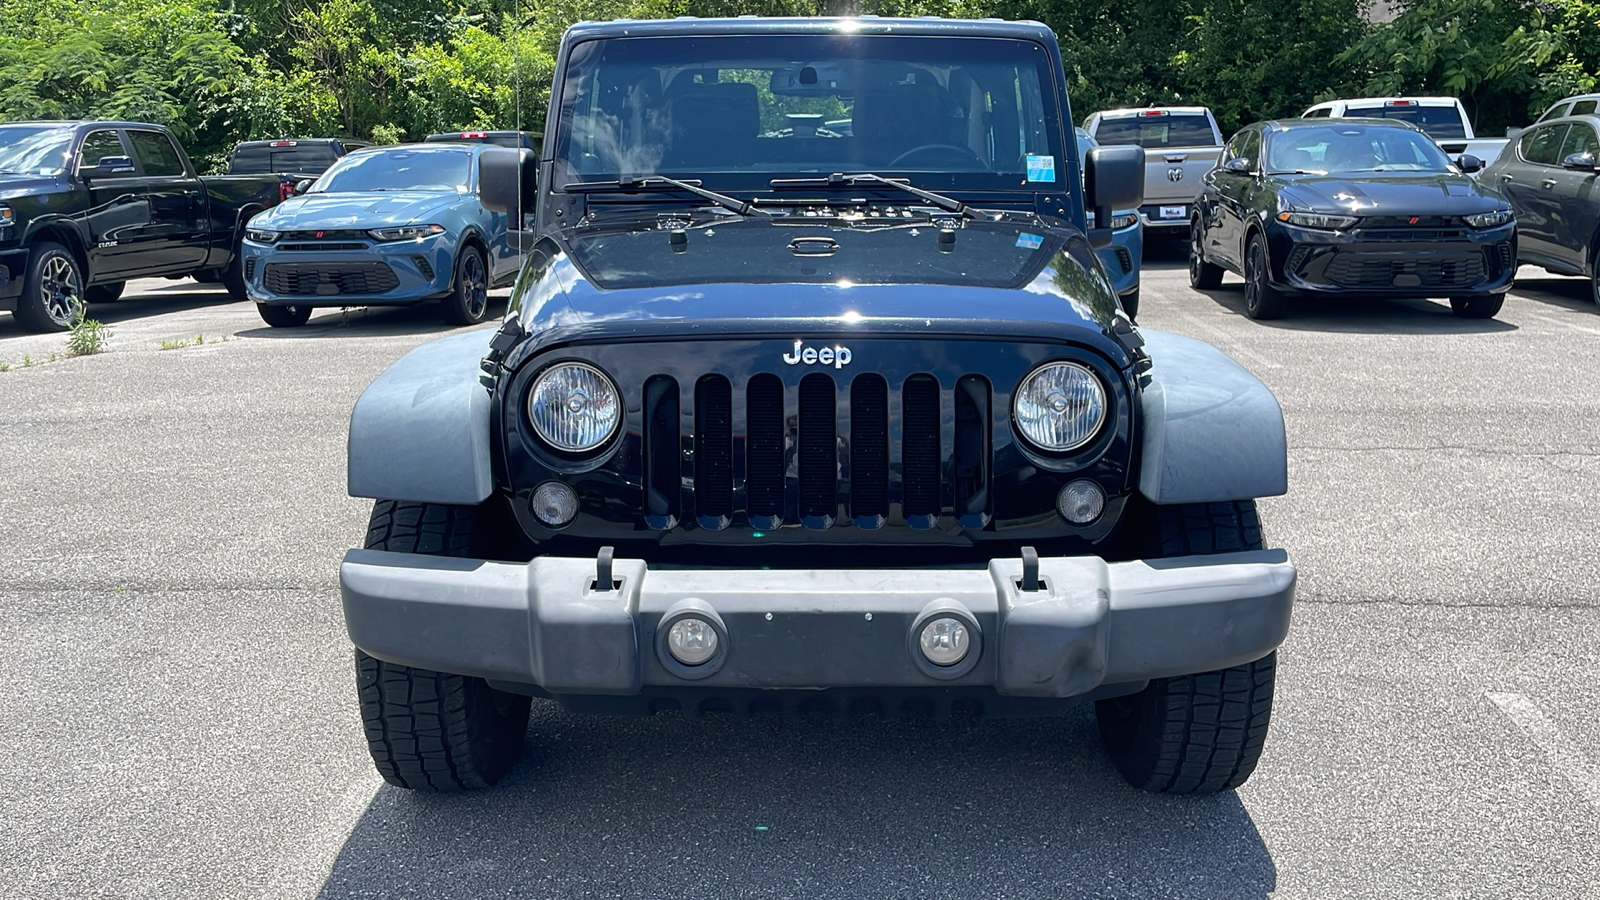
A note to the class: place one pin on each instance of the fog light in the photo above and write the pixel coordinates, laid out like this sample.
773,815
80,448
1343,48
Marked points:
692,641
554,504
944,641
1081,502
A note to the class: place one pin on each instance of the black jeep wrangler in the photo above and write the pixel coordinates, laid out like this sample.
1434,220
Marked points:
791,416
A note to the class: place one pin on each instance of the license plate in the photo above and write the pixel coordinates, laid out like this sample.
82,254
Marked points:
1174,212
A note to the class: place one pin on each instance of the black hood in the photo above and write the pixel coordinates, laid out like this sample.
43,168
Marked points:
1387,194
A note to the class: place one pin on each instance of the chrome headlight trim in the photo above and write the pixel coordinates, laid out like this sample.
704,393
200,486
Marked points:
1059,406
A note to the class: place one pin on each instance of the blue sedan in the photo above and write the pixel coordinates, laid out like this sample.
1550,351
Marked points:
1123,257
389,226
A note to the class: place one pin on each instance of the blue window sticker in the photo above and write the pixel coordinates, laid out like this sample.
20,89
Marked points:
1041,168
1030,241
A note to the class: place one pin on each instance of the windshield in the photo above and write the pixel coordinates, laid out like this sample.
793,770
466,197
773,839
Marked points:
737,111
1337,149
411,169
1158,131
1435,121
308,159
35,149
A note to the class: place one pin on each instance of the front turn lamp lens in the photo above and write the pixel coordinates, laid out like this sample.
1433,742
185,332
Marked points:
692,641
554,504
944,641
1081,502
1060,406
574,408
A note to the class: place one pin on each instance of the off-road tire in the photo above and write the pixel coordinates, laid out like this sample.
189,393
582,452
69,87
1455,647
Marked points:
1477,306
468,302
1261,299
1203,275
105,293
426,730
1202,733
284,316
51,266
1130,304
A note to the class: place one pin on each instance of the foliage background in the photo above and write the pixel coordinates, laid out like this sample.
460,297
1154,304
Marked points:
219,71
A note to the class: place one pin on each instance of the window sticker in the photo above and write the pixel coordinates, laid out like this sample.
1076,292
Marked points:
1041,168
1030,241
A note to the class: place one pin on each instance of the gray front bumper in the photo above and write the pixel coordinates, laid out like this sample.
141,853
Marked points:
1093,623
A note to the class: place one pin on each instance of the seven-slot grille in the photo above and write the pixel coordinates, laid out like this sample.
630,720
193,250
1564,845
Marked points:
818,451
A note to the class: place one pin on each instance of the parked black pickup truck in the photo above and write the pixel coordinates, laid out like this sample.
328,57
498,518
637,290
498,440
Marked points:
84,206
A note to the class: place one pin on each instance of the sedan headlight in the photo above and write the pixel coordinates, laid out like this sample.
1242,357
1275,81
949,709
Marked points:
1060,406
260,235
574,407
1490,219
406,232
1120,222
1317,220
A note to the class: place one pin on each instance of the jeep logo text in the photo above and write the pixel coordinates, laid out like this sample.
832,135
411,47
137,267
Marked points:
838,357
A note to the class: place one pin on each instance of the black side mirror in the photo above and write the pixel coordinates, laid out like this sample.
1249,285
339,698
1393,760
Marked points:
1238,166
108,167
301,186
1583,162
505,182
1469,163
1113,178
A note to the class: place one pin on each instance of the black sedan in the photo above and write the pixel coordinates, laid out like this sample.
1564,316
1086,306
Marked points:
1352,206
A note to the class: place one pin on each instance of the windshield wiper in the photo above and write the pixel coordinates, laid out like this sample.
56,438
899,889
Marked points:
839,179
657,182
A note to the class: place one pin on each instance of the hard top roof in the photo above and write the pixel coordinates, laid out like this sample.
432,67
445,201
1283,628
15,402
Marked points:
759,25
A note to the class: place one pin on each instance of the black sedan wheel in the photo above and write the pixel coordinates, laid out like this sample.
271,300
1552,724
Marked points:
1477,306
1202,274
52,292
284,316
468,303
1261,299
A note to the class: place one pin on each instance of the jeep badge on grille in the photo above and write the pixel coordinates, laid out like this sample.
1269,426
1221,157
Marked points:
838,357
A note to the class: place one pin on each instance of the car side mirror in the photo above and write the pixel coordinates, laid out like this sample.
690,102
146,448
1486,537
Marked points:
1469,163
301,186
1583,162
1238,166
508,180
108,167
1113,178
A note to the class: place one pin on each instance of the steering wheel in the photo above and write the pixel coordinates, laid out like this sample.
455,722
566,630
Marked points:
951,149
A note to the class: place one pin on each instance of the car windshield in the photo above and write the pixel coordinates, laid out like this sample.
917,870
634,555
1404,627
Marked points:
1158,130
737,111
1340,149
35,149
409,169
1435,121
308,159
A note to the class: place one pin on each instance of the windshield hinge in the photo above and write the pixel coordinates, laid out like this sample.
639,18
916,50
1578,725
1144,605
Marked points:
508,336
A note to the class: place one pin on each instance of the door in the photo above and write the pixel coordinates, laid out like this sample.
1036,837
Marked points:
118,213
1235,193
179,235
1577,197
1529,183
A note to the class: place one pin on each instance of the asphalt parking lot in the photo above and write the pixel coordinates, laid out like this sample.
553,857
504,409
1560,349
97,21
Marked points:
182,717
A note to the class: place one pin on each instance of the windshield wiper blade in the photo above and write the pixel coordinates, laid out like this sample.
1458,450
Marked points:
839,179
648,182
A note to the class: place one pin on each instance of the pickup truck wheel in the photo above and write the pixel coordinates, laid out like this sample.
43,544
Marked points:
1261,299
1203,275
284,316
232,277
207,276
52,291
433,731
105,293
468,302
1202,733
1594,279
1130,303
1477,306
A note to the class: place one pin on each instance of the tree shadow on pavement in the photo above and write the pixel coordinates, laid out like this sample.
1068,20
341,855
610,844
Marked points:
814,808
371,321
1355,314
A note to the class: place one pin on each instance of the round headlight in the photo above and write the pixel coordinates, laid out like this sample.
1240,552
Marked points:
1060,406
573,407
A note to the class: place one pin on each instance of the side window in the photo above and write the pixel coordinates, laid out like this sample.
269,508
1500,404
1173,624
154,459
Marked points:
1583,108
156,153
98,145
1539,145
1322,113
1251,149
1234,148
1555,112
1580,139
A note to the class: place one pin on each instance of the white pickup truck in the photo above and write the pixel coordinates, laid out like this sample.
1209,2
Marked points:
1442,118
1181,144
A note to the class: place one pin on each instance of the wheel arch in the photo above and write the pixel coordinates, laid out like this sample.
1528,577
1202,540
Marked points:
65,233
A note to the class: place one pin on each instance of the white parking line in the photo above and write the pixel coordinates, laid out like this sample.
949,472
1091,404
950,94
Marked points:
1564,753
1549,320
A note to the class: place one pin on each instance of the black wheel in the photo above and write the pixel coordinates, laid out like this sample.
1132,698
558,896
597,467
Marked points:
1202,733
105,293
468,302
433,731
1594,280
1202,274
284,316
1261,299
232,277
1477,306
1130,303
52,290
